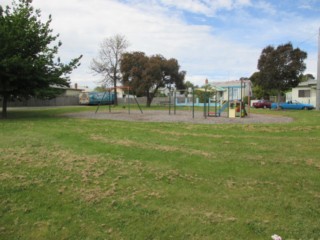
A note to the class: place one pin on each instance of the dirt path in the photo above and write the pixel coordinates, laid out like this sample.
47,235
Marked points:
181,116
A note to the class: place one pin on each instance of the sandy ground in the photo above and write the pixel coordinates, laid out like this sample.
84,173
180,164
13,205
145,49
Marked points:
180,116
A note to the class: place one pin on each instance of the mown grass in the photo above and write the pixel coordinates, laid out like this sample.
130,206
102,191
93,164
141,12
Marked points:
64,178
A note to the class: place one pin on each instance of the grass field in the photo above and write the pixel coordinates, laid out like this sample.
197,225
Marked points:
64,178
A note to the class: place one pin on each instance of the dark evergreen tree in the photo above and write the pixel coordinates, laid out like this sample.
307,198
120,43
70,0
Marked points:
28,62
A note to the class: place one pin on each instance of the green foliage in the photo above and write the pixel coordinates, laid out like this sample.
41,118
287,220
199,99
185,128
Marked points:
65,178
100,89
245,99
258,91
306,77
145,75
189,84
280,67
203,96
28,62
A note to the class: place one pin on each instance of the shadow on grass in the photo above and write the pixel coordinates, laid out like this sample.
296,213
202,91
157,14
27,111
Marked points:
42,112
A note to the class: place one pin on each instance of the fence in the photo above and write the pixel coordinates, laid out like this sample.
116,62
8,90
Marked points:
143,100
74,100
34,102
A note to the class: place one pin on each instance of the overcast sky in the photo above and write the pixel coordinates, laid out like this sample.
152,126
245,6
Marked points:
219,40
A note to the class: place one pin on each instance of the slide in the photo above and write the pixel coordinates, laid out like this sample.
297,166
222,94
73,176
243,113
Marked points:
224,106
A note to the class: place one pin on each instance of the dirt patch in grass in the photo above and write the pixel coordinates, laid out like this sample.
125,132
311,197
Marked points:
180,116
161,148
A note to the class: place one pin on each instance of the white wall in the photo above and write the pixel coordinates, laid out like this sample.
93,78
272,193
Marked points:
309,100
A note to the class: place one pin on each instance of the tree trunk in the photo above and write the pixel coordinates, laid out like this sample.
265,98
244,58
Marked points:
115,92
278,100
149,100
4,106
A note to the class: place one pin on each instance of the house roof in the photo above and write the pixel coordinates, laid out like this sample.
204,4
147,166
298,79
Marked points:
212,89
233,83
309,83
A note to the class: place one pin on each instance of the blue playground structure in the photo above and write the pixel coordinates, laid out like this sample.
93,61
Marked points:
213,104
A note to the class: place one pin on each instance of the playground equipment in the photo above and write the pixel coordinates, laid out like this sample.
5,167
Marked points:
109,92
237,109
236,106
212,100
189,100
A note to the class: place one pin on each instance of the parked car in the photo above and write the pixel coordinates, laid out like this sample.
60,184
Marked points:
262,104
293,105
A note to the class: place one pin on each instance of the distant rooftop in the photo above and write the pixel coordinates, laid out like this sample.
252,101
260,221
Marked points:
310,82
229,83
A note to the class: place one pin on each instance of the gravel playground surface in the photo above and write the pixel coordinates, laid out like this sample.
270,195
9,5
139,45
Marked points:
180,116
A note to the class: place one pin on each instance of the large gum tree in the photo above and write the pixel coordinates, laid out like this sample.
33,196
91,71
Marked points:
280,68
145,75
29,66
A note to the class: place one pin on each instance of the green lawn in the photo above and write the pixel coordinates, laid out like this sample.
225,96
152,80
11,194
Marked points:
64,178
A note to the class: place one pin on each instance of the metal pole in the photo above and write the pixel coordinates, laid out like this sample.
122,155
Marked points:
249,98
192,102
208,99
174,102
228,102
137,103
318,76
100,103
216,107
109,101
241,101
205,104
128,93
170,101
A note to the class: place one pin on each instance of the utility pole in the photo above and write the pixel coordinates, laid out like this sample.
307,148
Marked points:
318,76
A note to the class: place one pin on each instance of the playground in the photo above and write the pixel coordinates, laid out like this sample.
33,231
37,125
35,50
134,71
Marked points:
180,116
218,106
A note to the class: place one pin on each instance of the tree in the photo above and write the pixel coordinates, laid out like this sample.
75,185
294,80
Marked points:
108,61
145,75
101,88
189,84
280,67
28,62
307,77
258,91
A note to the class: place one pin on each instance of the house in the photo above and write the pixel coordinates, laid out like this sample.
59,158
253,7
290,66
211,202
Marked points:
69,96
305,92
69,92
232,89
73,90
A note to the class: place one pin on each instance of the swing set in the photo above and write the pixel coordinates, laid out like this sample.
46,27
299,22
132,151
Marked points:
109,96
